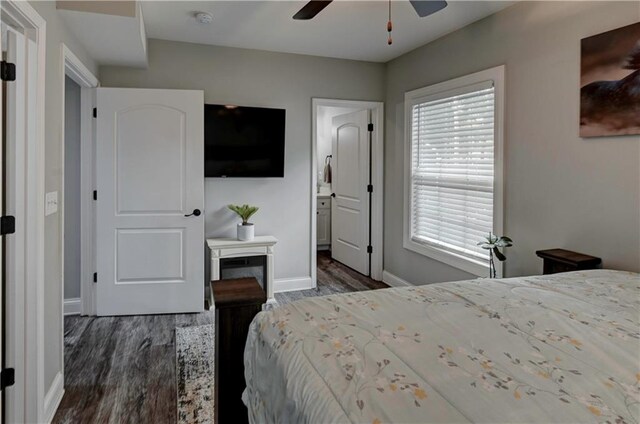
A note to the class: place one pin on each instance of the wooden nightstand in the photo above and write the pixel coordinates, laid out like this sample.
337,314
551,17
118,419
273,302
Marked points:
560,260
236,302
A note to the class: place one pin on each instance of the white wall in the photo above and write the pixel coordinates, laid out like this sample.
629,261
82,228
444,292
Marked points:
71,189
56,34
259,78
561,190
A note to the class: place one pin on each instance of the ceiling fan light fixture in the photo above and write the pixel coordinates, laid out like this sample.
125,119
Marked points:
389,26
422,7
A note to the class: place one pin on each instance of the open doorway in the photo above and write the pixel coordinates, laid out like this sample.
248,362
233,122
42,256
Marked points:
77,210
72,193
347,185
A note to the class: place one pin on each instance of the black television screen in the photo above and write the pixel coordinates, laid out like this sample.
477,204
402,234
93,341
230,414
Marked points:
243,141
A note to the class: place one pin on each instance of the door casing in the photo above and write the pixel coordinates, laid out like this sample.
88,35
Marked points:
73,67
39,404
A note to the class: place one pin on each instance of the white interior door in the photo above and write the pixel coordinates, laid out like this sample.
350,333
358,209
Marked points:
2,183
149,177
14,174
350,177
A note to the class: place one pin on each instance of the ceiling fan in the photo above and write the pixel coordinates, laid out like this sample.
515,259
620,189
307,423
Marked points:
423,8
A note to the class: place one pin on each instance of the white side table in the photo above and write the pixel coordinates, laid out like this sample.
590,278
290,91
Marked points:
232,248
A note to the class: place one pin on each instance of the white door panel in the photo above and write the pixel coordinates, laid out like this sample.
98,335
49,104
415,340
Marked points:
323,237
348,150
150,174
163,247
350,177
150,183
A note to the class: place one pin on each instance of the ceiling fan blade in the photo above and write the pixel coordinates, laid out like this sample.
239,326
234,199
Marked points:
311,9
427,7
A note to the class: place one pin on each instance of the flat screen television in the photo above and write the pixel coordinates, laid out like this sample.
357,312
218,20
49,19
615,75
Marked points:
243,141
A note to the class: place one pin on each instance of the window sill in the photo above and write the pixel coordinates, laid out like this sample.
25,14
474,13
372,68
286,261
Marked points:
477,268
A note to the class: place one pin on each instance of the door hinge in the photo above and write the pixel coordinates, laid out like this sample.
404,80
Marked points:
7,71
95,277
7,378
370,127
369,249
7,225
95,112
95,194
370,188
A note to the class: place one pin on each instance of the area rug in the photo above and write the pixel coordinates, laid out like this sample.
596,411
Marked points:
194,369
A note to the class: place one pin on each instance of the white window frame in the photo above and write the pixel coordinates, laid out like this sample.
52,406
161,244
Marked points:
442,90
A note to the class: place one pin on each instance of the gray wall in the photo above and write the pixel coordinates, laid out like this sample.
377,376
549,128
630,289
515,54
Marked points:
56,33
560,190
71,189
258,78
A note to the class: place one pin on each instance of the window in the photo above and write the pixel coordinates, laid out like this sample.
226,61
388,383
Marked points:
454,168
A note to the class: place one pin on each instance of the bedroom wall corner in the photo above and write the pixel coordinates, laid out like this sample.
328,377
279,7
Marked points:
560,190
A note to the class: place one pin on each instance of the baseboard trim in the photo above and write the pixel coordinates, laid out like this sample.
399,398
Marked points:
72,306
292,284
53,397
394,280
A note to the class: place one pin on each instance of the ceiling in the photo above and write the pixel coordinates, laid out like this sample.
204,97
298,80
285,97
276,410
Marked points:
345,29
112,33
117,8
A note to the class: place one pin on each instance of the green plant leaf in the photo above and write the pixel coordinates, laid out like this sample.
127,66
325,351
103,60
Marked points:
245,212
499,254
485,245
504,242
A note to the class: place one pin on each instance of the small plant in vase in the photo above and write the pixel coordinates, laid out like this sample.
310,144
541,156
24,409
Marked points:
245,229
493,244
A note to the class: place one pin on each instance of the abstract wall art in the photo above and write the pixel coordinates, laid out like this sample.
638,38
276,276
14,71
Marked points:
610,83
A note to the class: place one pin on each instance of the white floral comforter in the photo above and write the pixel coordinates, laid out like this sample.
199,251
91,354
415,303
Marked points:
561,348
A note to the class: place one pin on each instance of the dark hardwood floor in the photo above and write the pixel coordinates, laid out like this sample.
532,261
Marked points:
123,369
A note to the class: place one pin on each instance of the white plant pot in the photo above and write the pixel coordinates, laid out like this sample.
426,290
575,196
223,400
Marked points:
245,232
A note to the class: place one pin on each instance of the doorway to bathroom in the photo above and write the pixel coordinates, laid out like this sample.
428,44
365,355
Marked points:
347,184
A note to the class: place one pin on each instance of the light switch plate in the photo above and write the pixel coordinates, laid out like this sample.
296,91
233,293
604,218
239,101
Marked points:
51,203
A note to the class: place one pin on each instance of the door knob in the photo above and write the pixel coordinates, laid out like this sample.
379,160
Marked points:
196,212
333,195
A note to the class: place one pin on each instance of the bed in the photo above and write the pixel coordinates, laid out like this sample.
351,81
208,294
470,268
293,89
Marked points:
562,348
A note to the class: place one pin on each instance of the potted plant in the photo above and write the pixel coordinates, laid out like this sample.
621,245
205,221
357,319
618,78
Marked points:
493,244
245,229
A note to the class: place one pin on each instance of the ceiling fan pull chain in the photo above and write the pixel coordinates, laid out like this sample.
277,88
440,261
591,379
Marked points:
389,26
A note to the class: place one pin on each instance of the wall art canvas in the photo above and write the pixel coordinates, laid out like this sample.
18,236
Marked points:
610,83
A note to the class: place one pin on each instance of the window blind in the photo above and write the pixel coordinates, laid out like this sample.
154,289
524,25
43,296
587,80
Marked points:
452,142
